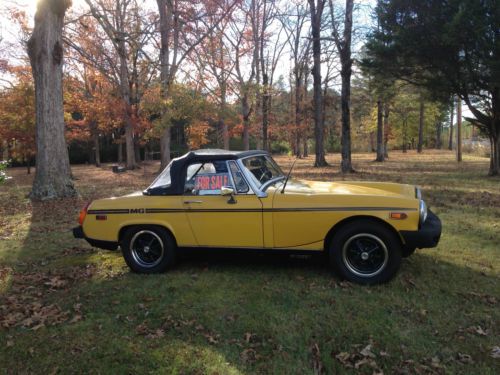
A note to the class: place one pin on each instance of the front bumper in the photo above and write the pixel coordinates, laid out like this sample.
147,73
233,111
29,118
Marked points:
106,245
427,236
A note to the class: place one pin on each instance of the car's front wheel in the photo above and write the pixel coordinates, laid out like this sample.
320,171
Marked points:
148,249
365,252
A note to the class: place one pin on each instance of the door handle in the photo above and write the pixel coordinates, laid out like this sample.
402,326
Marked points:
189,202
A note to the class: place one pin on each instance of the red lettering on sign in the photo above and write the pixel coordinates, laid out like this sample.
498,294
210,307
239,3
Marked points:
211,182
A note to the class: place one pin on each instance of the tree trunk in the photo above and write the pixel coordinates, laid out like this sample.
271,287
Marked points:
165,24
316,15
438,135
125,94
120,153
45,50
298,110
266,97
28,164
380,132
245,112
222,123
421,125
452,112
495,154
165,148
459,130
137,152
387,130
97,146
405,138
345,73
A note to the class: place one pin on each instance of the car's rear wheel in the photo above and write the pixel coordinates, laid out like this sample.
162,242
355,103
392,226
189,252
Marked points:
148,249
365,252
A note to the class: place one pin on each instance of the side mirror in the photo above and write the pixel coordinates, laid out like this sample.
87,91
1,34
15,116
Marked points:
228,191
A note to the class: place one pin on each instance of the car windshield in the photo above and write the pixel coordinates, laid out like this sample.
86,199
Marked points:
262,169
163,179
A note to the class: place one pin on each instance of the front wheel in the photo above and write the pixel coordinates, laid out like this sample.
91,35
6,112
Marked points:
365,252
148,249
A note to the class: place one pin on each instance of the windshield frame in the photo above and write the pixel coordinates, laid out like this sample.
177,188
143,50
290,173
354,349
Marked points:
260,190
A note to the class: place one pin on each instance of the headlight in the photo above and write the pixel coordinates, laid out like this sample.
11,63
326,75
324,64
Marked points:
423,212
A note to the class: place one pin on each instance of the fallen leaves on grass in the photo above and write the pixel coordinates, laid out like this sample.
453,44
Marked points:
26,305
484,298
464,358
359,358
249,355
495,352
5,272
317,364
34,315
477,330
75,250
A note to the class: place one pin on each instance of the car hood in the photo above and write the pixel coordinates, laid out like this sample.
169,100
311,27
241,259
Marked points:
350,188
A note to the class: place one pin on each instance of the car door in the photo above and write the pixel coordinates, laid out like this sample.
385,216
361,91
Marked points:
222,221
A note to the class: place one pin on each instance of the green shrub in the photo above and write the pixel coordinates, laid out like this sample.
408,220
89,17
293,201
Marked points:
280,147
3,167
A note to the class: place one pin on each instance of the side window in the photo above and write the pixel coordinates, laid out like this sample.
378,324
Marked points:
206,178
239,180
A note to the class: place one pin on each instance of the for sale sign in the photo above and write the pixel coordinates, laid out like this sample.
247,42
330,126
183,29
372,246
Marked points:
211,183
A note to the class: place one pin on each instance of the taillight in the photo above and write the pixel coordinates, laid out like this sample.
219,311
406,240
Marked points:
83,213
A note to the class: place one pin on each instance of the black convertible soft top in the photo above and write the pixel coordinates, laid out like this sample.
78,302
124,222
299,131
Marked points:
179,166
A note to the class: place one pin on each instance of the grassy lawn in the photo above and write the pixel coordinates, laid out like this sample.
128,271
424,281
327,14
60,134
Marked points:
68,308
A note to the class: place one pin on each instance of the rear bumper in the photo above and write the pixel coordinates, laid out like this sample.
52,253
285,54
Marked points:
106,245
427,236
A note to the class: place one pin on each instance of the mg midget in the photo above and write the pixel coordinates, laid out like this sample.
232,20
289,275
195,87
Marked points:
217,199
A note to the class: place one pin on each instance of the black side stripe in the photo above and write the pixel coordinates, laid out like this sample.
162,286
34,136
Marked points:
216,210
109,211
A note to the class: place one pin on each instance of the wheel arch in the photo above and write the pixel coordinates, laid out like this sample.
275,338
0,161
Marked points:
126,227
351,219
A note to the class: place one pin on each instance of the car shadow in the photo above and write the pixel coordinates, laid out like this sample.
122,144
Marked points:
250,311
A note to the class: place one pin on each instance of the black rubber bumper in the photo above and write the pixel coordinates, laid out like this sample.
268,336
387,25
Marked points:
427,236
78,232
106,245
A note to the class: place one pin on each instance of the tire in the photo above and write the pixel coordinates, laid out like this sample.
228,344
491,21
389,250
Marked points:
408,251
148,249
365,252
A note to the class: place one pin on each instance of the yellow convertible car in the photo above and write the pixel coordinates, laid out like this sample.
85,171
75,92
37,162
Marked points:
242,200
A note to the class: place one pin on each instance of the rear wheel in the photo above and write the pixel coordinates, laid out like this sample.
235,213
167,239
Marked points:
148,249
365,252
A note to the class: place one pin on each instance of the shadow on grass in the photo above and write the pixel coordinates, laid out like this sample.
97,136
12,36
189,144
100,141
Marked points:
241,313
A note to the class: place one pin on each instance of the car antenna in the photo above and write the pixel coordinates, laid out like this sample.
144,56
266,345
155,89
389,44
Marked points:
288,175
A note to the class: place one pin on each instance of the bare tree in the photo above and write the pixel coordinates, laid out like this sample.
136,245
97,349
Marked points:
114,17
240,36
452,112
316,8
214,59
182,28
297,32
459,130
268,59
344,48
387,129
45,50
380,131
421,118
